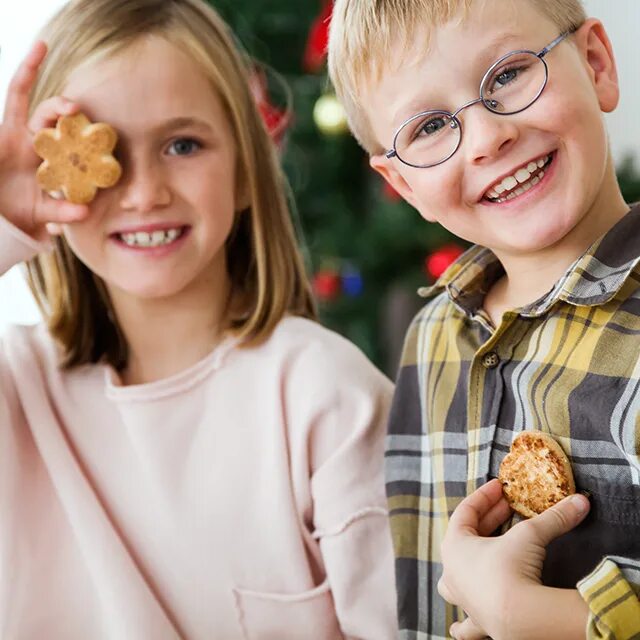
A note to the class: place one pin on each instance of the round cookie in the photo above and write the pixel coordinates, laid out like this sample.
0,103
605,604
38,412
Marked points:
77,158
535,474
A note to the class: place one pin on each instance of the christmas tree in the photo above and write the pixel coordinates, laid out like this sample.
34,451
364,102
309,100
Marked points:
368,250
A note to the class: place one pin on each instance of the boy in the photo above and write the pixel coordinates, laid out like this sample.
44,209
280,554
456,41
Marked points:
486,115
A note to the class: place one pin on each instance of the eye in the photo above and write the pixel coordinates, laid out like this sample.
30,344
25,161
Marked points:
183,147
505,77
431,126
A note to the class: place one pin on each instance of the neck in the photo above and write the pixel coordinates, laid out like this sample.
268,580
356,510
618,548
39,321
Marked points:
168,335
528,277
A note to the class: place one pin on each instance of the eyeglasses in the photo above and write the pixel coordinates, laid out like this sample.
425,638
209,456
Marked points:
511,85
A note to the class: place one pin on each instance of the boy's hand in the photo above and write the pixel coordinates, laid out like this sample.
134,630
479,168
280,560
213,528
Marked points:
22,202
496,580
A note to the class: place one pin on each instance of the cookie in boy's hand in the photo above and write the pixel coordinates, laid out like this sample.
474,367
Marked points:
535,474
77,158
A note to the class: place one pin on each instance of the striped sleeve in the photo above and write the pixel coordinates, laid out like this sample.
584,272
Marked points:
611,594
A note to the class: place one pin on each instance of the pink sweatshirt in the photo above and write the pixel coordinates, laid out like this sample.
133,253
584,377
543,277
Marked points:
240,499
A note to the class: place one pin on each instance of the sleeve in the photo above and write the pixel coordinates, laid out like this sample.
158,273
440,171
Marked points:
16,246
349,406
612,595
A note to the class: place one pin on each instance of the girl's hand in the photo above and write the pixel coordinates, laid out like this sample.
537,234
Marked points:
495,580
22,202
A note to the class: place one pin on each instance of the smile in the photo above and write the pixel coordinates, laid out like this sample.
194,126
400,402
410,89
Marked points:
520,182
153,239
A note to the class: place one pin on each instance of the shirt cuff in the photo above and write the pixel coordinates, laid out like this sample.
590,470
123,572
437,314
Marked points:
614,608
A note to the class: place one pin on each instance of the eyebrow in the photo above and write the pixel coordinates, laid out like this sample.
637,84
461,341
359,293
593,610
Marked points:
417,105
182,123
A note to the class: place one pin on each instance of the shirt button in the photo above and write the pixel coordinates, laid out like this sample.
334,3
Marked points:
490,360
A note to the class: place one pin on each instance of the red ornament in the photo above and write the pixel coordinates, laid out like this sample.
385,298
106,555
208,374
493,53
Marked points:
316,51
326,284
439,261
276,120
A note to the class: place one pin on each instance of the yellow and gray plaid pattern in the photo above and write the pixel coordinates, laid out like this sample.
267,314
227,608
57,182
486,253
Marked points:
568,365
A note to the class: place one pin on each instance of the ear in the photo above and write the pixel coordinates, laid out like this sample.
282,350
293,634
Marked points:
384,166
596,48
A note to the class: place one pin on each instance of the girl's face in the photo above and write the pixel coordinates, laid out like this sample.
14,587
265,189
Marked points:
162,229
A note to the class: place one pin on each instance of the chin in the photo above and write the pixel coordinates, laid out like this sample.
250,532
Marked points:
149,290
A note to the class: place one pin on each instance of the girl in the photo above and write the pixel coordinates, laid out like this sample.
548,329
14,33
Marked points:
184,452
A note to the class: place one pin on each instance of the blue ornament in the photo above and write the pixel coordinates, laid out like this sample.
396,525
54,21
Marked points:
352,282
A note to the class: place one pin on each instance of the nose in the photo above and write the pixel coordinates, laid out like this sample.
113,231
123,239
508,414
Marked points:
487,135
144,186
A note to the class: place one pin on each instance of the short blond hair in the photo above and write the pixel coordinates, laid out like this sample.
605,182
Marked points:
263,259
365,33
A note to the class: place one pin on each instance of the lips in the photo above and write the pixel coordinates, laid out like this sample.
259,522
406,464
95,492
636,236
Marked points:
519,182
150,236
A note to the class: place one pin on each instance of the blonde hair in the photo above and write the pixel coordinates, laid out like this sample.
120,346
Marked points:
263,260
364,35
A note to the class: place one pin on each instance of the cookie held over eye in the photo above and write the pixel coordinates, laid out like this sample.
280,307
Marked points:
535,474
78,158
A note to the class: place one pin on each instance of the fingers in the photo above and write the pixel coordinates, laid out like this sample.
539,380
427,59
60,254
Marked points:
557,520
475,508
443,590
48,112
467,630
54,213
497,515
17,105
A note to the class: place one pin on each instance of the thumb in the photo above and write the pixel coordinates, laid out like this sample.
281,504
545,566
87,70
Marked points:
559,519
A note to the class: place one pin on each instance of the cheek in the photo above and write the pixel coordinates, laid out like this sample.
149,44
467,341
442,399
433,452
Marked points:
437,190
83,238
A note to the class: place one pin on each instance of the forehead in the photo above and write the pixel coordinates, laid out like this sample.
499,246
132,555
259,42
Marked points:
428,67
148,82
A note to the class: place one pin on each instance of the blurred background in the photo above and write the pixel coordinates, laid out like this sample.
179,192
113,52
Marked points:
367,250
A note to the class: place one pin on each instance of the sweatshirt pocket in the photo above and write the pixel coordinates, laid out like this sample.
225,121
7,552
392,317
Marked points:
280,616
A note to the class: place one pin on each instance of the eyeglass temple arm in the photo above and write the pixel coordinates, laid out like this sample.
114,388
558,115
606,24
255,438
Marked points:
556,42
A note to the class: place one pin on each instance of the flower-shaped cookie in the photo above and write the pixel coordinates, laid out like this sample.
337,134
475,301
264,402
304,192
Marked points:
77,158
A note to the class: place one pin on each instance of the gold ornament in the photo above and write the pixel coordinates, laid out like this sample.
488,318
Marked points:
329,115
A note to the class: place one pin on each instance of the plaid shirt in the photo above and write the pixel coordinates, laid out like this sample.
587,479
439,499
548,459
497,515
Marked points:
568,365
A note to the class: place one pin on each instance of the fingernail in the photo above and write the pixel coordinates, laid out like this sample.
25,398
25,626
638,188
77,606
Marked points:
580,503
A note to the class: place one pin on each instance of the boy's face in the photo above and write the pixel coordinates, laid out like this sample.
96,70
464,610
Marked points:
564,128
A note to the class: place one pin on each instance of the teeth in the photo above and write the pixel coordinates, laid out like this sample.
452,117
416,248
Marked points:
509,183
521,179
143,239
500,188
154,239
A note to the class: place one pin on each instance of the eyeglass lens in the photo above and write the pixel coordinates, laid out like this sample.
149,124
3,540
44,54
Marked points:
510,86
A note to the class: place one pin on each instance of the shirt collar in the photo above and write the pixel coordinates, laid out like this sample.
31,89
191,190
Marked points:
591,280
